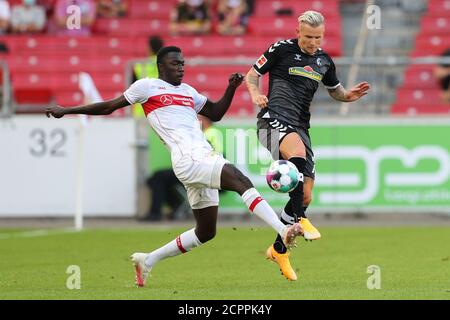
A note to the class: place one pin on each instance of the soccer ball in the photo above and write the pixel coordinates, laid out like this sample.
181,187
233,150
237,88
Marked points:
282,176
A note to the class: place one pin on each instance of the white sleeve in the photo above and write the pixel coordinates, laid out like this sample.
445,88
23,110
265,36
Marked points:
199,100
138,92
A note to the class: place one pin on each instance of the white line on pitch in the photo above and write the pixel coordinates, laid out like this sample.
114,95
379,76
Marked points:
36,233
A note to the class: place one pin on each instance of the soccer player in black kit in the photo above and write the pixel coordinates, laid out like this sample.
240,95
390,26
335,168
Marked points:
295,66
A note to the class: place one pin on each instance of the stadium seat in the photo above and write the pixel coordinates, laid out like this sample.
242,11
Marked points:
418,96
241,105
248,46
435,25
420,92
285,26
32,96
420,77
427,45
268,8
72,98
441,7
131,27
207,81
151,9
75,45
419,101
417,109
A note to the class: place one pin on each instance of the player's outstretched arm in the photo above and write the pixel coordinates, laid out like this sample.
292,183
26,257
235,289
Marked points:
341,94
252,82
216,110
99,108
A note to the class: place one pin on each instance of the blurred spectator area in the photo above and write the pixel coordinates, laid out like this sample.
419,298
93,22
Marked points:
44,68
420,92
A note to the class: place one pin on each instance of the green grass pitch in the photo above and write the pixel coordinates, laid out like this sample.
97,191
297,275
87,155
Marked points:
414,264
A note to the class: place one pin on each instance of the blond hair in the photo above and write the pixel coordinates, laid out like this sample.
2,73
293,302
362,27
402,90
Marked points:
312,18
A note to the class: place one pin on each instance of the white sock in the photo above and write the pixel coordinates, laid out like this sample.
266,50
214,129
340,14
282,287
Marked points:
181,244
257,205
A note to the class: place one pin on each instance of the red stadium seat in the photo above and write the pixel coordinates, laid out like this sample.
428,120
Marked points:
67,81
151,9
75,45
68,63
241,105
441,7
435,25
285,26
34,96
69,98
420,77
420,92
267,8
110,82
418,96
415,109
207,80
431,45
249,46
131,27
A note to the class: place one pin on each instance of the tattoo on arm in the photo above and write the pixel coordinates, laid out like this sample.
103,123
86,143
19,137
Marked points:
253,80
338,93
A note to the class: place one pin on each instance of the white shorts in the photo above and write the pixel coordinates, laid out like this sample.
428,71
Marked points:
201,178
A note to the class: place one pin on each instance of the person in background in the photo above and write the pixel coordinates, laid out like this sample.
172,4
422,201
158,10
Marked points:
5,16
190,17
166,189
250,7
212,134
64,20
233,17
28,17
3,49
147,69
442,73
112,8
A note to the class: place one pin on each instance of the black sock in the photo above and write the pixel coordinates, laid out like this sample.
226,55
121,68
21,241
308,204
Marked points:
278,245
297,194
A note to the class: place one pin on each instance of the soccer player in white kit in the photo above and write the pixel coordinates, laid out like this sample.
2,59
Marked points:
171,108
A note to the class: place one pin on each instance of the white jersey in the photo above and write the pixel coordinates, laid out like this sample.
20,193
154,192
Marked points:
172,113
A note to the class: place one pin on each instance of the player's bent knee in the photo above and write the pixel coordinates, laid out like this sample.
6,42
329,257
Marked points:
234,180
246,183
206,235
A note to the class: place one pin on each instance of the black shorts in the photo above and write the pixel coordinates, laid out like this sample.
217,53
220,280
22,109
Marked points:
272,131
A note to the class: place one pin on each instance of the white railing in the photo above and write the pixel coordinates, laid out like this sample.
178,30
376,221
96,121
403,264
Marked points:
5,86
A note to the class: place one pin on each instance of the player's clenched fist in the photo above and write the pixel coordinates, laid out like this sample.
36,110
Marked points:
260,100
235,80
55,111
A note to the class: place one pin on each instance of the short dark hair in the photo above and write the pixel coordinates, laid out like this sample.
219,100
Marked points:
164,51
155,43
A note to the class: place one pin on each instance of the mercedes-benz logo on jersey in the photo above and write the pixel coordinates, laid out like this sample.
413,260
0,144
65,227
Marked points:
319,62
166,99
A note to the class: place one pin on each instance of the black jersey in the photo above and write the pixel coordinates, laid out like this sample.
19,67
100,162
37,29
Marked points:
294,77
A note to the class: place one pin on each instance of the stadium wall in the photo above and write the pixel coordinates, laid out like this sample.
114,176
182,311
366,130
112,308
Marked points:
38,166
